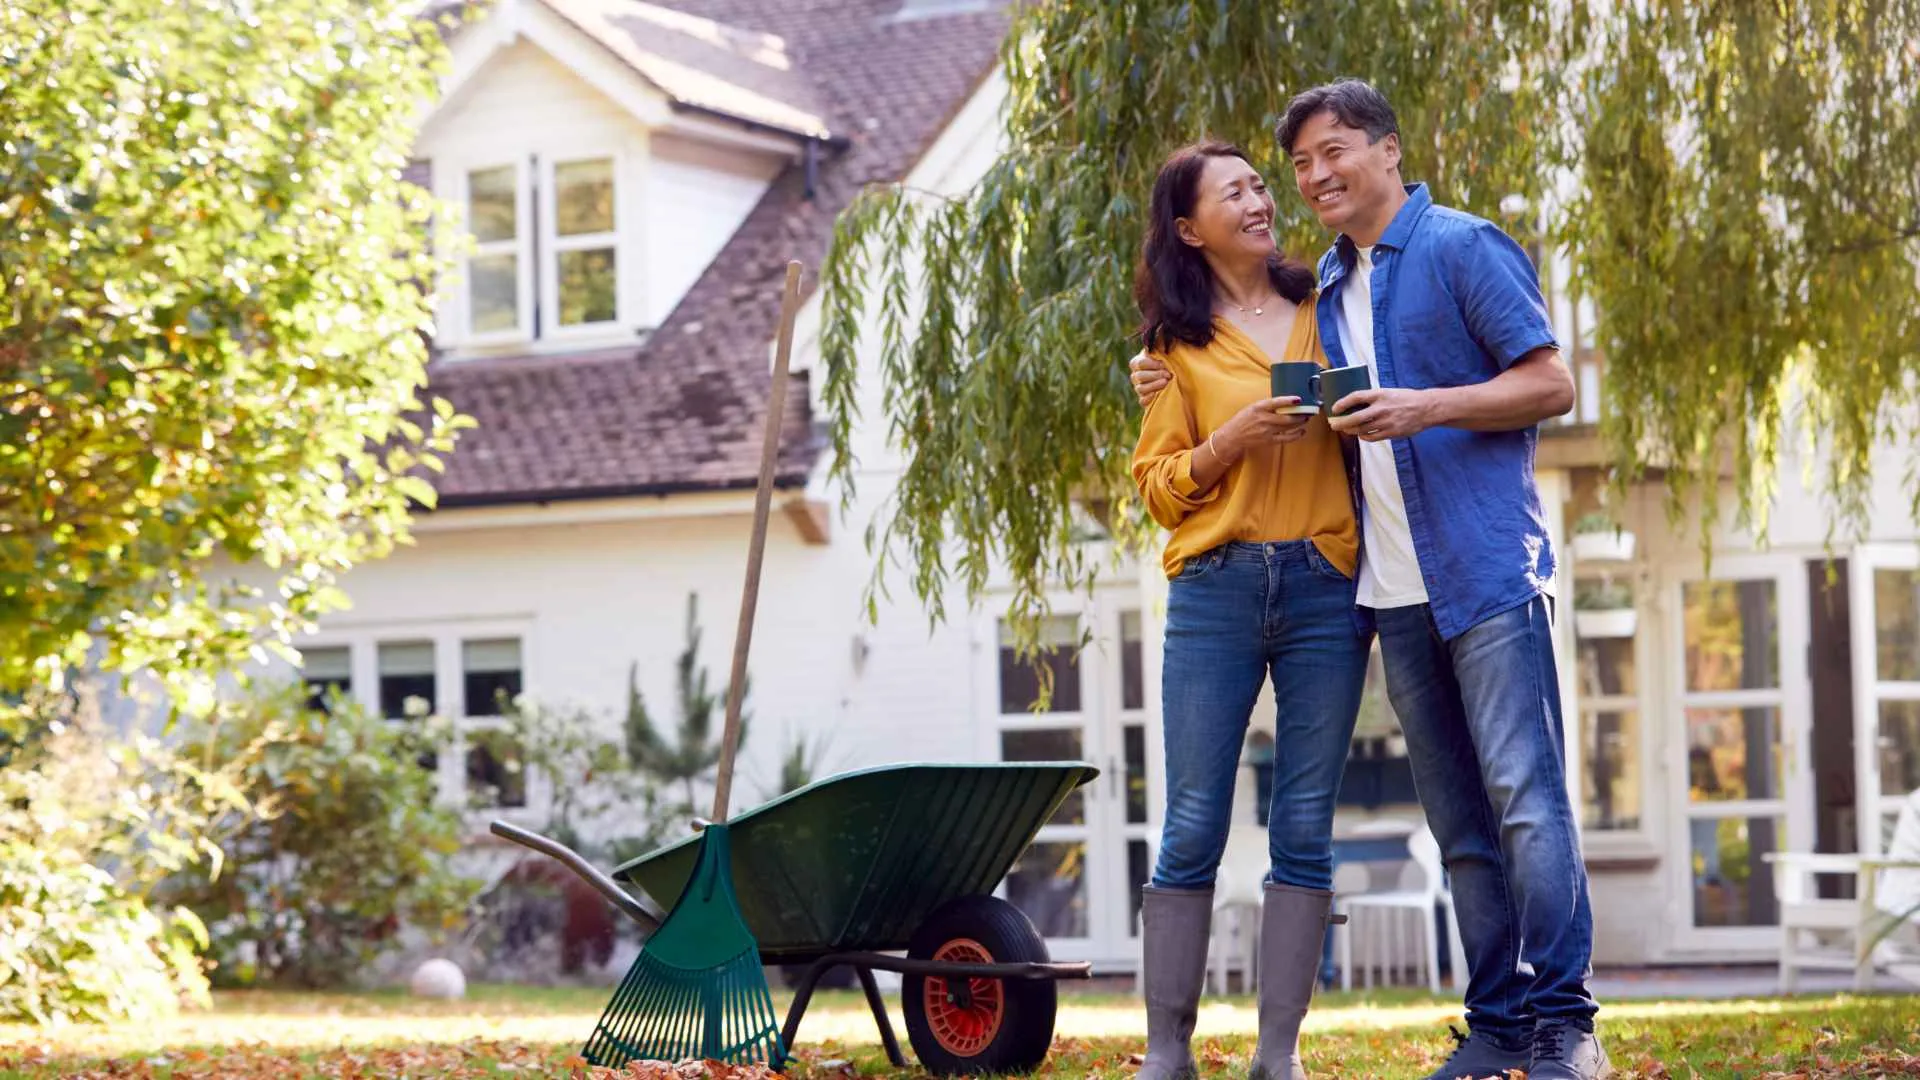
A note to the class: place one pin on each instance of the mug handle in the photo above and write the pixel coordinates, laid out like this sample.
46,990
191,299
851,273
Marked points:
1313,385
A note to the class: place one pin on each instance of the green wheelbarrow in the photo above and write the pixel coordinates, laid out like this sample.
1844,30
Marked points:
853,870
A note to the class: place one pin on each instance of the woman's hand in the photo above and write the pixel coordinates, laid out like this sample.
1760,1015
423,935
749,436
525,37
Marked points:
1260,424
1149,377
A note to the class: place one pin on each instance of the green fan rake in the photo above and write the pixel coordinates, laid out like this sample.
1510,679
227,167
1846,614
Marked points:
697,989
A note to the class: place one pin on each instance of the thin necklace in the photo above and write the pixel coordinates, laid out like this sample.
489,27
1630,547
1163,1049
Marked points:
1261,310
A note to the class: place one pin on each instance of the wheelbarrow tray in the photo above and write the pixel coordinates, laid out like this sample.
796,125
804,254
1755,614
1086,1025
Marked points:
856,862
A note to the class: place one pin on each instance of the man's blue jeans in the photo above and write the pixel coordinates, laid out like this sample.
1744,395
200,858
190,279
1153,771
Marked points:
1237,615
1481,715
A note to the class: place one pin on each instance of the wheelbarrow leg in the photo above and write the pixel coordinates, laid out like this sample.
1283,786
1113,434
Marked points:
803,996
879,1008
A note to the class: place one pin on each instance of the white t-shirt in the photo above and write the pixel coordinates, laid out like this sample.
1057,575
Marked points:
1389,570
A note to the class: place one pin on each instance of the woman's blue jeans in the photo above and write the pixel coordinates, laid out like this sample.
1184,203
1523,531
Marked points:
1237,615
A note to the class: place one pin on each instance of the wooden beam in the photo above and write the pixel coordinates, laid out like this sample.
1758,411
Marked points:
811,517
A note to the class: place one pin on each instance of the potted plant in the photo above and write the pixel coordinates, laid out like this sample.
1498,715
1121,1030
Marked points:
1603,608
1598,538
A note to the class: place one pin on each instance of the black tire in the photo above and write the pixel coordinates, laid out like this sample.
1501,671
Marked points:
960,1040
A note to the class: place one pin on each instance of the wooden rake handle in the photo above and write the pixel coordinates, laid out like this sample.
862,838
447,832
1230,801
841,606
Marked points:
757,549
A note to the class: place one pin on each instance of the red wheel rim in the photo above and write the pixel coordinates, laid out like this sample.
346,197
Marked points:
964,1030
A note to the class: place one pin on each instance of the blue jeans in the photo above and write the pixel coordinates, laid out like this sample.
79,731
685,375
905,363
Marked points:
1481,715
1235,616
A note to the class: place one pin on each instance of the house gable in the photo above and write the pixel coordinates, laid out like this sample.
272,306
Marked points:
678,408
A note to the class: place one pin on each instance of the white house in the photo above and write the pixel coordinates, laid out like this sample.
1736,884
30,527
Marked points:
636,176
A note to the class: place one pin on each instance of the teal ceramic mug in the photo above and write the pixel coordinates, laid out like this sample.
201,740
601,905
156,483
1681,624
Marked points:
1336,383
1301,379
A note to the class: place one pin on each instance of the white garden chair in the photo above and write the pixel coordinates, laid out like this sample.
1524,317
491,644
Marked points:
1874,930
1385,912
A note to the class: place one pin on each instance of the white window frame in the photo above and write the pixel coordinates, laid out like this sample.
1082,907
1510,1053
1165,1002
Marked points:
521,246
1638,841
447,638
552,244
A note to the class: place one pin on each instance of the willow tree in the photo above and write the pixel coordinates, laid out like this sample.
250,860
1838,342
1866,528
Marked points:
211,330
1746,220
1005,389
1738,185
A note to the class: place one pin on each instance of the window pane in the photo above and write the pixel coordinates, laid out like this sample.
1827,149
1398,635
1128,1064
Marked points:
1134,740
493,289
489,669
1733,754
1133,693
583,197
493,206
1732,882
1020,684
1610,746
1606,667
326,671
1049,884
1899,747
1732,635
1049,744
586,286
406,678
1896,620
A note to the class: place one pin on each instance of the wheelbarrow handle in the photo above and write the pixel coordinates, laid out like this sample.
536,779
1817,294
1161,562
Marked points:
637,909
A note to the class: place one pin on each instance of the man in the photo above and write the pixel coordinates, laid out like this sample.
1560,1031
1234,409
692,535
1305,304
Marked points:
1445,312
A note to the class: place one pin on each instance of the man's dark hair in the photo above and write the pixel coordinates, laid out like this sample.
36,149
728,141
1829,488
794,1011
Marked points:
1352,102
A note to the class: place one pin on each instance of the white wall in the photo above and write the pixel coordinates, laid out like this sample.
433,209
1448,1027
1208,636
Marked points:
591,599
697,197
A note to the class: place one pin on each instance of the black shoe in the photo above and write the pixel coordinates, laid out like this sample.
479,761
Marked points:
1563,1051
1483,1056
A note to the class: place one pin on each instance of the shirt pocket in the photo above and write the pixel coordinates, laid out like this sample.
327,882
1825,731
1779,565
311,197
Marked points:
1432,347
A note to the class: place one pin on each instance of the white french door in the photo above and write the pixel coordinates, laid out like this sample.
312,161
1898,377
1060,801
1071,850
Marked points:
1078,881
1885,607
1739,747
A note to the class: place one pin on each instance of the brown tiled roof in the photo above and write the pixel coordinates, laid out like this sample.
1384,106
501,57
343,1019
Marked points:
683,410
704,63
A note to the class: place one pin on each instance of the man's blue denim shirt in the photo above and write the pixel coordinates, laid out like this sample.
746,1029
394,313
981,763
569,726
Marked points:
1456,302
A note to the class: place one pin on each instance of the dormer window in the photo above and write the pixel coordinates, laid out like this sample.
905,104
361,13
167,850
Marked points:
545,261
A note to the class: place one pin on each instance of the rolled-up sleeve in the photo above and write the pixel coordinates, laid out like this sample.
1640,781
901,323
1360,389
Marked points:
1500,292
1163,459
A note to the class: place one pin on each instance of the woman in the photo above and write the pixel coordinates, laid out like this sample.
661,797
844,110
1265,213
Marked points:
1261,564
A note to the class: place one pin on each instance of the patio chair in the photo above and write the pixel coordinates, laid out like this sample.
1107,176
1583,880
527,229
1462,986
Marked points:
1875,930
1238,890
1387,910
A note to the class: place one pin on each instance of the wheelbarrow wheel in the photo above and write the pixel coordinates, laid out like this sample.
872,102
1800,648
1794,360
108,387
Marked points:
967,1026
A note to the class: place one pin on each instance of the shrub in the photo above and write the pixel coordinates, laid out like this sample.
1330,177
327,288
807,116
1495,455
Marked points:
348,845
90,817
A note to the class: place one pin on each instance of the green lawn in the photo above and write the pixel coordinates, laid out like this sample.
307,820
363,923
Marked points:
520,1032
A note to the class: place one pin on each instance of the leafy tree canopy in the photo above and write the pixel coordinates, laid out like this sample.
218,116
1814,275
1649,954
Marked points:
1738,186
211,336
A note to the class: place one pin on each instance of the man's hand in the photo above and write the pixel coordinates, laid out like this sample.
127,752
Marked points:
1149,377
1388,413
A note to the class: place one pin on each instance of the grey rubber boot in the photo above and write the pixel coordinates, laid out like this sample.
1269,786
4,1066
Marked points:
1174,924
1293,927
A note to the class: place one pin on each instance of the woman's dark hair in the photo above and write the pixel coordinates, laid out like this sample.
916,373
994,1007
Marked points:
1354,103
1173,285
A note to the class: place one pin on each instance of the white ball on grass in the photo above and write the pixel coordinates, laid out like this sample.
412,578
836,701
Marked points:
438,978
